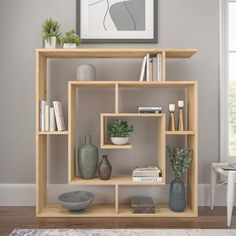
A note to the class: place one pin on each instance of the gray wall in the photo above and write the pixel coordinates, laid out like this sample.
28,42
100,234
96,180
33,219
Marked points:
181,24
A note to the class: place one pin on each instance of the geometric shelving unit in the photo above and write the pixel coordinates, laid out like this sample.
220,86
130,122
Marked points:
43,209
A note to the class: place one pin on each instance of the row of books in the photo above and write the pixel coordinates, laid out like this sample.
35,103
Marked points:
51,118
147,174
151,68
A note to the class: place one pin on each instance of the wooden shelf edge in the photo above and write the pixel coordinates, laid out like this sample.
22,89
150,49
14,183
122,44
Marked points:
53,133
115,180
115,52
180,132
108,210
112,146
134,114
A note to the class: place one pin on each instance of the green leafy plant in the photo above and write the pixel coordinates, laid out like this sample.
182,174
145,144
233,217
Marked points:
50,28
120,128
180,159
70,37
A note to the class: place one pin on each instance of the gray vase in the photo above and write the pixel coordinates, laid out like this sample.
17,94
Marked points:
177,201
86,72
104,168
88,159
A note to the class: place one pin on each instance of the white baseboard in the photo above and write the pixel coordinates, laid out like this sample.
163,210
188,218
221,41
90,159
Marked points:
24,194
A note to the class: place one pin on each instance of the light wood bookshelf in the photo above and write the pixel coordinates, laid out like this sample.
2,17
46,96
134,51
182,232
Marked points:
43,209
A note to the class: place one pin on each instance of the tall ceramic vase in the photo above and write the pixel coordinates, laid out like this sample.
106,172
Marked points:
88,159
177,201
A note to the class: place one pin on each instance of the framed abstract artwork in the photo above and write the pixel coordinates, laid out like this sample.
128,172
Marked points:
117,21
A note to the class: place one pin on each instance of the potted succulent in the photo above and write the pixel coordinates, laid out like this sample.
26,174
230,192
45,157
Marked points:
70,39
50,33
119,132
180,160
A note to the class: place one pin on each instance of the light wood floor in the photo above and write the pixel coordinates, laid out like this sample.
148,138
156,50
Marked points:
24,217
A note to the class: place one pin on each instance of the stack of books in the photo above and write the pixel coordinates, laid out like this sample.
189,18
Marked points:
151,68
150,109
150,173
51,118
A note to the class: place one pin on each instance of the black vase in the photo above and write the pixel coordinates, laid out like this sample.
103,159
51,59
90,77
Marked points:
104,168
177,201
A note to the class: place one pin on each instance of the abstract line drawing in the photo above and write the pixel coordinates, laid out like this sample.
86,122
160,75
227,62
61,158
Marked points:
117,15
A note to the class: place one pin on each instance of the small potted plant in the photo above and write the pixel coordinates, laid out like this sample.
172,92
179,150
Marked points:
50,33
180,160
70,39
119,132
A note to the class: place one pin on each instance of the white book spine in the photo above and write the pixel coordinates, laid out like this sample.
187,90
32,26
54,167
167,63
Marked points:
59,116
147,71
46,118
143,69
147,179
52,123
42,115
159,67
154,69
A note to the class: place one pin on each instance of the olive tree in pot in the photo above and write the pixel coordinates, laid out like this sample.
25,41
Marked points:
50,33
70,39
119,132
180,160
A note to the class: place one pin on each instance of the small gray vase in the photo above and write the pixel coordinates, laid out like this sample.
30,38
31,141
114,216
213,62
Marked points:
86,72
88,159
177,201
104,168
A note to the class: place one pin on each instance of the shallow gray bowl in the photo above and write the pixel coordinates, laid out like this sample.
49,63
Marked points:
76,200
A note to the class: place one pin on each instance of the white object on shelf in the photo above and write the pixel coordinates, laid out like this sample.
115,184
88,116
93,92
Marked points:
180,104
42,115
50,44
119,140
86,72
46,117
147,179
69,45
59,116
143,69
172,107
52,123
159,67
148,67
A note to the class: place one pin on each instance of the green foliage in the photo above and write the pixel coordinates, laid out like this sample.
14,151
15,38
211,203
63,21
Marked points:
50,28
120,128
70,37
180,160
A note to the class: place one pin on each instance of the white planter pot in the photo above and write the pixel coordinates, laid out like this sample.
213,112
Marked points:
119,141
52,44
69,45
86,72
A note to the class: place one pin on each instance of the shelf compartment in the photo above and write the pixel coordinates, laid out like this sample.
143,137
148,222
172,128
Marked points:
108,210
105,145
94,210
53,133
115,180
162,210
186,132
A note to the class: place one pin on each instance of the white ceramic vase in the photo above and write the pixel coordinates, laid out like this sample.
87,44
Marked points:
119,140
69,45
86,72
50,44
